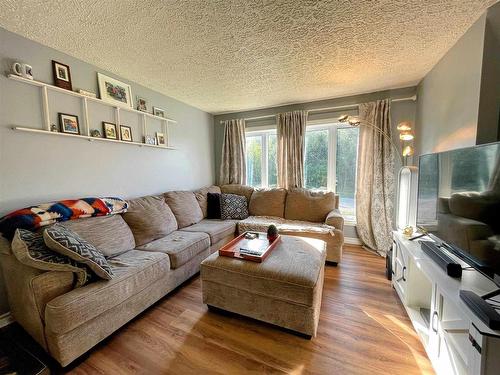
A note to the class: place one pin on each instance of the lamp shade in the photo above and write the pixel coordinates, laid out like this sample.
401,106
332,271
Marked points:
406,136
408,151
404,126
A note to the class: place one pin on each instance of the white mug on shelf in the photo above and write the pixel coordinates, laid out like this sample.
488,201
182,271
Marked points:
23,70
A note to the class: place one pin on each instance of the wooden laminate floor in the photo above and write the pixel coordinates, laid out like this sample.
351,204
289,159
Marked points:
363,330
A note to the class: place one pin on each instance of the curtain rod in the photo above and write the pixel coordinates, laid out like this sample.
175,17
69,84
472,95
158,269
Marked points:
412,98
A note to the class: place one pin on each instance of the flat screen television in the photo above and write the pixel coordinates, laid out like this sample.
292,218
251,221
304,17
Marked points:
459,202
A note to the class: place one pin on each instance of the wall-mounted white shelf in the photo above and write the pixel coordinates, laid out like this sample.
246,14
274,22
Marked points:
87,137
85,127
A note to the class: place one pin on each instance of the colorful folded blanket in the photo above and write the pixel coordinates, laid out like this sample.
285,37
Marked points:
34,217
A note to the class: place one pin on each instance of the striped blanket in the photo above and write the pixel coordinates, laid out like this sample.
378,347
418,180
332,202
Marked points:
34,217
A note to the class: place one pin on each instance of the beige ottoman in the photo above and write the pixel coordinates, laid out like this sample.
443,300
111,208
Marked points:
284,290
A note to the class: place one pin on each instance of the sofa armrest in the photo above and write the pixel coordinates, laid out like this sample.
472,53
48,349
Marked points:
29,290
335,219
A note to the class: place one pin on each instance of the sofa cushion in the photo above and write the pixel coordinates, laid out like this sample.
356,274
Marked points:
149,218
134,271
307,205
180,246
237,189
233,207
30,249
201,197
185,207
268,202
216,229
110,234
68,243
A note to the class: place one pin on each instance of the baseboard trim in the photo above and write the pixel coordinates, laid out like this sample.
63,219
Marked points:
352,241
6,319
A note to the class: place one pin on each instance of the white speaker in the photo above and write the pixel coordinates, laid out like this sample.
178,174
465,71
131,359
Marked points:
406,214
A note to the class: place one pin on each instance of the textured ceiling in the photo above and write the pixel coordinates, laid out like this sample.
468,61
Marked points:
235,55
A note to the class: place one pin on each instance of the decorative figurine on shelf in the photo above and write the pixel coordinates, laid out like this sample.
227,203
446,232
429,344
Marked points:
408,231
53,128
272,233
95,133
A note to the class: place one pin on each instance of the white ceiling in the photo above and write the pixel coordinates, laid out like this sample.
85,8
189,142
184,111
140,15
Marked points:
224,56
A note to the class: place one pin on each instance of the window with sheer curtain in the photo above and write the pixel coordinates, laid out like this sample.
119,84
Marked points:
330,161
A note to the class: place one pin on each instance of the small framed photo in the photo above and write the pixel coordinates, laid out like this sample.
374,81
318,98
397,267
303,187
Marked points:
149,140
158,112
160,139
62,75
109,130
114,91
125,133
69,123
142,104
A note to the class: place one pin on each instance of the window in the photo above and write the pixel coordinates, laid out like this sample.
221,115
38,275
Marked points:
261,159
331,152
330,163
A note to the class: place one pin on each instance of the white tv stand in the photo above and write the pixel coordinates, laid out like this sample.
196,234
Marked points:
456,341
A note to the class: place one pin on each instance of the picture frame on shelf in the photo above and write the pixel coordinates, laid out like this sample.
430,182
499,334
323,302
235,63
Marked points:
109,130
160,139
62,75
142,104
125,133
114,91
69,123
149,140
159,112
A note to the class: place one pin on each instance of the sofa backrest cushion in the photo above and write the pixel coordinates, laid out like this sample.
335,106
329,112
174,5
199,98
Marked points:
185,207
307,205
149,218
110,234
268,202
201,197
238,190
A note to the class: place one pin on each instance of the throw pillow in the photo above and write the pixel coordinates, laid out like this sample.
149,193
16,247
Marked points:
67,242
213,206
233,207
30,249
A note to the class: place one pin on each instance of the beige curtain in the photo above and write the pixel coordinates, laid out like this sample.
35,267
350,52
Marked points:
291,142
233,163
376,177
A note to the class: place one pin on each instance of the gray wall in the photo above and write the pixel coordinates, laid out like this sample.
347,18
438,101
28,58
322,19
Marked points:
400,111
39,168
489,103
459,99
448,96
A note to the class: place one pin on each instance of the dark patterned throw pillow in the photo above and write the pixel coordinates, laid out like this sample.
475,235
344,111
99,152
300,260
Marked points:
29,248
233,207
66,242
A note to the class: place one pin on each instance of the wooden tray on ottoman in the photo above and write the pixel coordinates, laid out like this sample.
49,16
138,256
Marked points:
232,249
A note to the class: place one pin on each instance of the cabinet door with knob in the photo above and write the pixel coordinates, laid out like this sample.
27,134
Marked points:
449,336
400,270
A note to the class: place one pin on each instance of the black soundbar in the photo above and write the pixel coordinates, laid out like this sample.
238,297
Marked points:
452,268
481,308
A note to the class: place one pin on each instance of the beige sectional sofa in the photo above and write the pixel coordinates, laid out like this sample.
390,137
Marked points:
153,248
296,212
